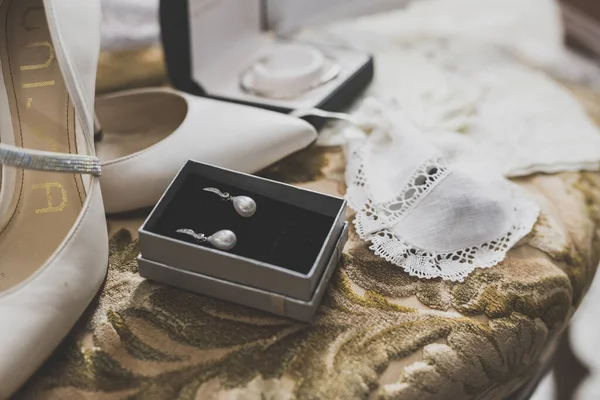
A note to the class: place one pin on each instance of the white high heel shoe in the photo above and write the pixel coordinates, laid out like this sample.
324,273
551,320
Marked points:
149,134
53,238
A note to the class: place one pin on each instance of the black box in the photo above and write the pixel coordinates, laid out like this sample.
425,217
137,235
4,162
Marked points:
208,57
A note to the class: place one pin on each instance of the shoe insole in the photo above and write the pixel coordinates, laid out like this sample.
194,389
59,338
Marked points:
45,205
134,122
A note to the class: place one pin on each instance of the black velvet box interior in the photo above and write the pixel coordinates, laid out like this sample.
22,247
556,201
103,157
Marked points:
284,247
279,233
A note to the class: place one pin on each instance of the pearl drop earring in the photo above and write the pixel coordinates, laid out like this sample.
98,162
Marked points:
223,240
245,206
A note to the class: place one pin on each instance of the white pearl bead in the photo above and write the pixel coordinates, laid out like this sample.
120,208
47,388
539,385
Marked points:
224,240
244,205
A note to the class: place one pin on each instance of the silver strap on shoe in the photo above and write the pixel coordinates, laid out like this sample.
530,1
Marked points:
49,161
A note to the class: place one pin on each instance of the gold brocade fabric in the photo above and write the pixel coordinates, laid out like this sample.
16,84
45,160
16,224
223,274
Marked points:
378,333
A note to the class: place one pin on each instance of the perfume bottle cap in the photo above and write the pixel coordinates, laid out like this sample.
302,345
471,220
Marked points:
289,70
295,65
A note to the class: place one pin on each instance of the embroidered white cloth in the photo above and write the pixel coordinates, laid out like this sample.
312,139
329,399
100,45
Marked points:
430,216
478,82
515,116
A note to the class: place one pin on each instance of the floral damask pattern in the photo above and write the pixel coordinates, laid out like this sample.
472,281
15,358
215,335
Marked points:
379,333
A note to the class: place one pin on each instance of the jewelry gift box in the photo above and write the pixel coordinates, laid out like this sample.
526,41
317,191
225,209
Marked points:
284,253
220,49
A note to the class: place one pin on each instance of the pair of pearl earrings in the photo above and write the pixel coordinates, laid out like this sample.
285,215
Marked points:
225,239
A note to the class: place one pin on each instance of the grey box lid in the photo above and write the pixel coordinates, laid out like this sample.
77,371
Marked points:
244,295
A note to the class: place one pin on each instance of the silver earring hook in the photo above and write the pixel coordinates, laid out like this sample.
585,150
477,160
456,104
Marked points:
245,206
223,240
224,195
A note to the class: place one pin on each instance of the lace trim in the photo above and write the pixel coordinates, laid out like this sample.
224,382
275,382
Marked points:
372,220
455,266
356,181
375,217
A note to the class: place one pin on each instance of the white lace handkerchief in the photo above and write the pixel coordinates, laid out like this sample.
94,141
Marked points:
434,218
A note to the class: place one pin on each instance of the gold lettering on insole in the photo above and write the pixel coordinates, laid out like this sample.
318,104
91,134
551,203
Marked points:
29,103
48,188
38,84
46,63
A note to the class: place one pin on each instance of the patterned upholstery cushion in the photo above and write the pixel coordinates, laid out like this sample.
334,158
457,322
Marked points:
379,332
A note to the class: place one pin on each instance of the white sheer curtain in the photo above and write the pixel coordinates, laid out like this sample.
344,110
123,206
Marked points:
134,23
129,24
